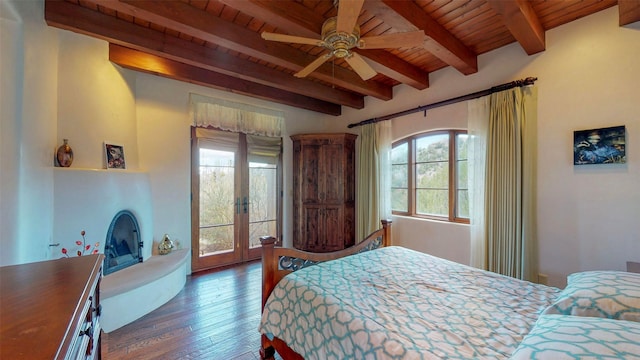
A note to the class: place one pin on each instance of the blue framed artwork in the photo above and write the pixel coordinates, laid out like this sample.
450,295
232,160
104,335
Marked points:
599,146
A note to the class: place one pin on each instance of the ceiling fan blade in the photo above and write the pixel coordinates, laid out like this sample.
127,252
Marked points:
290,39
314,65
348,12
358,65
393,41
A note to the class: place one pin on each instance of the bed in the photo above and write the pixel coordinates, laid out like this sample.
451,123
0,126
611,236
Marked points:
375,301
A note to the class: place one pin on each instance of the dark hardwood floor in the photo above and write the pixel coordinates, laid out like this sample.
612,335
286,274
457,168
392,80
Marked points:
215,316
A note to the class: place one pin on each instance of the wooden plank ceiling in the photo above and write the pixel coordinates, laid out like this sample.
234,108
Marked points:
218,43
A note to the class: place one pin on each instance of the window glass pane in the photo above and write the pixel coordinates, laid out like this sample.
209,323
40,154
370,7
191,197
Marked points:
462,193
432,175
422,167
463,204
399,200
432,148
462,174
263,201
461,144
216,240
217,174
432,202
400,154
399,176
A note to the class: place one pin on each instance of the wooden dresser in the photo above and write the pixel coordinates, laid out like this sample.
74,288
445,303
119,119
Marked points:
51,309
323,191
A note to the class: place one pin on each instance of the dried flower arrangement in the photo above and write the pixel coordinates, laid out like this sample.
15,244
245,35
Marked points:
84,247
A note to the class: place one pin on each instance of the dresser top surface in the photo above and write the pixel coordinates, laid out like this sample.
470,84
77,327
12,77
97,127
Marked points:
40,302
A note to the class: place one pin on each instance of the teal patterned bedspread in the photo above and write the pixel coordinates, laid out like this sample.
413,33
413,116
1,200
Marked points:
561,337
396,303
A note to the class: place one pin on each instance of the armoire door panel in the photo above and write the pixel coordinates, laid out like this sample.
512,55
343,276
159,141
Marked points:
310,171
333,228
333,174
313,220
349,173
349,223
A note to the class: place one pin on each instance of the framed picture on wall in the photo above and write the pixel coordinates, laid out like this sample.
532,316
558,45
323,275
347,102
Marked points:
114,156
599,146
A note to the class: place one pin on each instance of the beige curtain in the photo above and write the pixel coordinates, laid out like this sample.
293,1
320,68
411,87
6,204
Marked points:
510,207
236,117
374,178
477,128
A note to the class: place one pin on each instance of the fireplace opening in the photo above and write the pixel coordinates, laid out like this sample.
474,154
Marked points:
123,247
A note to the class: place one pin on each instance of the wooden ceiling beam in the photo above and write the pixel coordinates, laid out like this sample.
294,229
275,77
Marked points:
299,20
71,17
628,12
396,68
523,23
289,16
192,21
157,65
440,42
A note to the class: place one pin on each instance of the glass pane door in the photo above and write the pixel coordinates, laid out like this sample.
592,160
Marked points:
219,208
235,185
263,186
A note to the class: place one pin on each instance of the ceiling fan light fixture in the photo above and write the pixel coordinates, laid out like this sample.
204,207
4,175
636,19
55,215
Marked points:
339,43
339,35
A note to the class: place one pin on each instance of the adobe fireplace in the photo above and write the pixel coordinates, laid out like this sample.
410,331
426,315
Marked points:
123,246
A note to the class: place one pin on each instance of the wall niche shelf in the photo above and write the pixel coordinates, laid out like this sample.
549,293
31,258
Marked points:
115,171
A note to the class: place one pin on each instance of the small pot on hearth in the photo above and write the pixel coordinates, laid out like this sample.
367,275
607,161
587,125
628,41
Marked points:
165,246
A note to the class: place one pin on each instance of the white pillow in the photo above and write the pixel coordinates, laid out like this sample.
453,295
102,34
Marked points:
606,294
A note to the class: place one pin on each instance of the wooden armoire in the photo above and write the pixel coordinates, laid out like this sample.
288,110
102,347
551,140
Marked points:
323,191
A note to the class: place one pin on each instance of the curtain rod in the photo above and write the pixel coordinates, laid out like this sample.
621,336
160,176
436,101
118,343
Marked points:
475,95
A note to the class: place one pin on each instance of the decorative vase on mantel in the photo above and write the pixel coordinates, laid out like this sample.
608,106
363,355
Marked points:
166,245
64,155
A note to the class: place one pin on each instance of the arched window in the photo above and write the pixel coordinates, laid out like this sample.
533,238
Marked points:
429,176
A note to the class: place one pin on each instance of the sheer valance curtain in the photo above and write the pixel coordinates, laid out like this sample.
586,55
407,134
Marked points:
374,178
236,117
502,153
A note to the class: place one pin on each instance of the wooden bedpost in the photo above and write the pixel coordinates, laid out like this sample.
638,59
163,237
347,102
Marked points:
386,226
269,266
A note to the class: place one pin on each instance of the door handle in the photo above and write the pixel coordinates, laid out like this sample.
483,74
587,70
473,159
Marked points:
245,204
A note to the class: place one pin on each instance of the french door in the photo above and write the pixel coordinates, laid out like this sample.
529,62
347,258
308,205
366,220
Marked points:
235,196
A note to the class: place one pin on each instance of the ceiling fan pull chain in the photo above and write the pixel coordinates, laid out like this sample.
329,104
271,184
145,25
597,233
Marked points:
333,72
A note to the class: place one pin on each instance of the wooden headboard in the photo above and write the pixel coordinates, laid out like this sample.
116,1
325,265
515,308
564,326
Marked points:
278,261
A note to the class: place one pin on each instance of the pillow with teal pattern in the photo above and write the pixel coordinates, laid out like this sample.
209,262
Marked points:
605,294
560,337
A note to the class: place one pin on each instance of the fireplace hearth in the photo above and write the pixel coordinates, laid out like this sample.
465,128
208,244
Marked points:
123,247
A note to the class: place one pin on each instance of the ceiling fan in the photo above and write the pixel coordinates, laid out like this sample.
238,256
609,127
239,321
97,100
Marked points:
340,34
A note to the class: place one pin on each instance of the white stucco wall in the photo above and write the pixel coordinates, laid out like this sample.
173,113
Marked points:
96,102
28,102
11,40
